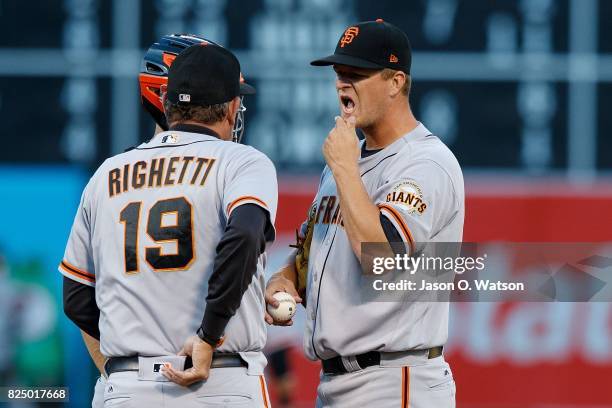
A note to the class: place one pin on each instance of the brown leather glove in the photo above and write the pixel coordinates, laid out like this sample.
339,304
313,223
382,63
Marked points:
303,242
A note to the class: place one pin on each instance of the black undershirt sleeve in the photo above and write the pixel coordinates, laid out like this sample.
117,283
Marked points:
235,264
393,236
80,306
390,231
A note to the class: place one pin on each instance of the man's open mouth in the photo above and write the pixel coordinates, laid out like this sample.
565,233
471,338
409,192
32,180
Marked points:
348,104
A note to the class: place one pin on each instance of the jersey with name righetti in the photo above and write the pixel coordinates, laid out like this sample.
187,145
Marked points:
417,184
145,236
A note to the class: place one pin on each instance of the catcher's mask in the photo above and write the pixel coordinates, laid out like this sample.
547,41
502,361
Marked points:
238,129
153,78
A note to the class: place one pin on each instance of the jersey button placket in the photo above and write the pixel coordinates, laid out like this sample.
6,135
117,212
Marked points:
312,299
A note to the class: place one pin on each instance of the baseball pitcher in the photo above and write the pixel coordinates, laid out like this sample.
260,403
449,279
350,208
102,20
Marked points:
400,184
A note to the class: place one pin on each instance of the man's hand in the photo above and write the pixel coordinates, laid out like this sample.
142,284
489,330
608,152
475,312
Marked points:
341,148
201,354
279,283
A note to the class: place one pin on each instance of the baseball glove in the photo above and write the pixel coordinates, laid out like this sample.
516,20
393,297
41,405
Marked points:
303,241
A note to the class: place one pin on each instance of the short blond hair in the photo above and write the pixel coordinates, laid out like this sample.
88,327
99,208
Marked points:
388,73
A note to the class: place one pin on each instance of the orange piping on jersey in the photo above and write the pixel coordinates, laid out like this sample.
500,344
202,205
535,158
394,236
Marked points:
75,269
264,393
77,275
398,218
234,203
82,275
405,387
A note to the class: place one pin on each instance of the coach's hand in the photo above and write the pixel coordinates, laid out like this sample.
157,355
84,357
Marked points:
279,283
201,354
341,148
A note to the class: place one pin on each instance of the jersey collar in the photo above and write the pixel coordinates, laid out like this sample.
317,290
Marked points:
418,133
181,135
185,127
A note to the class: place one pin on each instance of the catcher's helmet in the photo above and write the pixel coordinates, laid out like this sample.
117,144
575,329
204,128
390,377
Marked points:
154,72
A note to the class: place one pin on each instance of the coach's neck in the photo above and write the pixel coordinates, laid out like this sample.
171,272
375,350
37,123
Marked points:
222,128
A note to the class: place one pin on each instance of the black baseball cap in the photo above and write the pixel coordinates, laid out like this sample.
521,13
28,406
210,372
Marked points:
206,74
371,44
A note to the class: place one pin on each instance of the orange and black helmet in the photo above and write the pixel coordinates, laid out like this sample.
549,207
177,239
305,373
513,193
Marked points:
154,72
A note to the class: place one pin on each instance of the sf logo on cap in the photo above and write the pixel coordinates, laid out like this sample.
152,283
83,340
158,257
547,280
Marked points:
349,36
184,98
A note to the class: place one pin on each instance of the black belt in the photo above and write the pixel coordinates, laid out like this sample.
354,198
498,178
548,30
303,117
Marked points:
336,365
220,360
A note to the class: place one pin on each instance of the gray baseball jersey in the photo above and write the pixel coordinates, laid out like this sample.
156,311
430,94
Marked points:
145,235
418,185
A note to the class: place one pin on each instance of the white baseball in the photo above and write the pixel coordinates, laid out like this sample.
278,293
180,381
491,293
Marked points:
286,308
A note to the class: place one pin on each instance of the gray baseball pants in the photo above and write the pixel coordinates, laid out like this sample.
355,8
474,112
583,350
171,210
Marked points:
403,382
225,387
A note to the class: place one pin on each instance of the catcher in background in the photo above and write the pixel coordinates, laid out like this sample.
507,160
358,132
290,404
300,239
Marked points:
400,184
